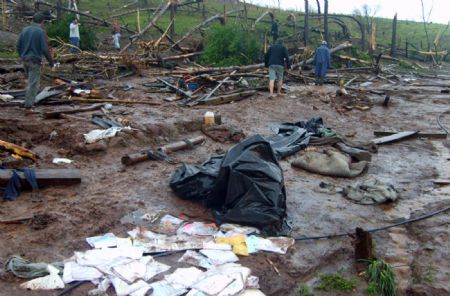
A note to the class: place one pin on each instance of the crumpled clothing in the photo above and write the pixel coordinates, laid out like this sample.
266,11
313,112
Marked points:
329,162
12,190
25,269
371,192
96,135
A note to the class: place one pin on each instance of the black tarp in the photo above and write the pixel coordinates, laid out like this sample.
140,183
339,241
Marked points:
248,189
246,185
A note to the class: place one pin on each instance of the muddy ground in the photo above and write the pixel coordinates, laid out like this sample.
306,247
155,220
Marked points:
419,252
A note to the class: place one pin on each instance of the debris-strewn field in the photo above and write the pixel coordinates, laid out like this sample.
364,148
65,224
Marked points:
57,222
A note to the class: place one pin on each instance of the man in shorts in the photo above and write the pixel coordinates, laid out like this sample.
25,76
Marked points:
277,58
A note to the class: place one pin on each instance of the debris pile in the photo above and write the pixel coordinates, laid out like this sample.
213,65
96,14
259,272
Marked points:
130,266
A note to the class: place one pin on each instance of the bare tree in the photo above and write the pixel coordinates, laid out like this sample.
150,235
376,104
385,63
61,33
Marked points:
318,6
325,20
426,20
394,36
306,24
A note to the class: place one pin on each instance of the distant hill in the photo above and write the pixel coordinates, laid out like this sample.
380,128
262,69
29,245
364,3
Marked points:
190,15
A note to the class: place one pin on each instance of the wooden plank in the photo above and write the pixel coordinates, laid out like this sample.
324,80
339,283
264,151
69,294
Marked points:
58,113
395,137
442,181
44,177
418,135
227,98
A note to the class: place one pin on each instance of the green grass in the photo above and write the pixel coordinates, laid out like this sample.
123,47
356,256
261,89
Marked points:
381,275
4,54
302,291
335,282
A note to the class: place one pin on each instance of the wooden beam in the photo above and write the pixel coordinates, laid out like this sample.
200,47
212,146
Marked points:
417,135
134,158
44,177
57,114
394,137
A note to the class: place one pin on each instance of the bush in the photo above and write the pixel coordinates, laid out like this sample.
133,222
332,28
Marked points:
60,29
228,45
335,282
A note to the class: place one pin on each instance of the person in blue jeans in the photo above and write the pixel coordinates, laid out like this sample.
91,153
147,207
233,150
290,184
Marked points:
31,46
74,36
322,62
277,58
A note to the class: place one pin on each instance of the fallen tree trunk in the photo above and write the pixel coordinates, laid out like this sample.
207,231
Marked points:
44,177
151,24
103,21
228,98
182,56
130,159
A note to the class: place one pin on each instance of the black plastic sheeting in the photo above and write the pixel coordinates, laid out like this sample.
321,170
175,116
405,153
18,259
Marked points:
246,185
195,182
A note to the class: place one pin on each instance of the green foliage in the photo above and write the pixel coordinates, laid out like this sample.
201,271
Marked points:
382,276
406,65
371,289
302,291
335,282
228,45
60,29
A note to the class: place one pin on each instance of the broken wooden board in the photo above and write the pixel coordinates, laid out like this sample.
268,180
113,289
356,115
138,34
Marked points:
227,98
395,137
18,150
57,114
44,177
418,134
442,181
17,219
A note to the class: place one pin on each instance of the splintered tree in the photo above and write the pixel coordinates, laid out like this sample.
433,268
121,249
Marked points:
325,20
394,36
426,20
306,25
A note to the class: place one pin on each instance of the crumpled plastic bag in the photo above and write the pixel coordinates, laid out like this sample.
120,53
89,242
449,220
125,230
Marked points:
50,282
96,135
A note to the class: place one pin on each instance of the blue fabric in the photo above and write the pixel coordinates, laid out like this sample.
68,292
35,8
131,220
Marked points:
12,190
322,61
76,42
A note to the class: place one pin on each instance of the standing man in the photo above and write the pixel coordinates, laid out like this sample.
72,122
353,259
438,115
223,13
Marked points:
74,36
274,30
276,59
116,31
322,62
31,46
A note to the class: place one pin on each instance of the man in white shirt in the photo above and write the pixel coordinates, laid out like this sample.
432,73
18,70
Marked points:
74,36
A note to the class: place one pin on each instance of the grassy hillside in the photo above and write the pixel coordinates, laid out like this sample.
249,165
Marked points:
185,20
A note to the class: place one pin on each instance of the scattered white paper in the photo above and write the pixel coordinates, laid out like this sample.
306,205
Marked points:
75,272
62,160
184,277
219,257
103,241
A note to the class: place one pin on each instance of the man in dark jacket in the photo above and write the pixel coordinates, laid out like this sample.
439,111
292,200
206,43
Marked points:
276,59
322,62
31,46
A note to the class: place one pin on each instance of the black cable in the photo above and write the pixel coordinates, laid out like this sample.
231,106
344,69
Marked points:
377,229
439,121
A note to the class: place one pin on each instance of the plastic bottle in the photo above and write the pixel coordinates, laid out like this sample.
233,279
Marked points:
208,119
